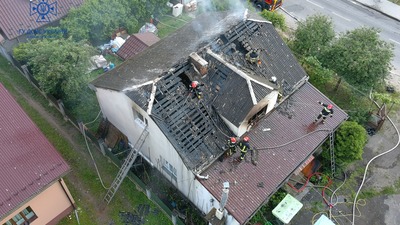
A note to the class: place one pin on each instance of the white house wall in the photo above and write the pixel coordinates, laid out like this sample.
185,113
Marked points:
269,101
117,108
204,201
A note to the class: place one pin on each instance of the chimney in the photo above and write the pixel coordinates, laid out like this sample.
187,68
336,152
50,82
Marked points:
200,63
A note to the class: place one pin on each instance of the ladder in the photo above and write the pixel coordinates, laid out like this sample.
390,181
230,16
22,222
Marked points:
332,151
123,171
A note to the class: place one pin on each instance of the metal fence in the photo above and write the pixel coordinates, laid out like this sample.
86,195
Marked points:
68,116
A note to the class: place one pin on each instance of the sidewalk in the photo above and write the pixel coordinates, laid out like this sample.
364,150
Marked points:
384,6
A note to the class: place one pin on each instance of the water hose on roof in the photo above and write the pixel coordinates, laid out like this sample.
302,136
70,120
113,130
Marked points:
294,140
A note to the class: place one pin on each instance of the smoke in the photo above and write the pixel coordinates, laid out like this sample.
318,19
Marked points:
211,23
235,6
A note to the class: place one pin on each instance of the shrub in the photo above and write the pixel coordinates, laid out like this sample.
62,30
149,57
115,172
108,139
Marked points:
278,20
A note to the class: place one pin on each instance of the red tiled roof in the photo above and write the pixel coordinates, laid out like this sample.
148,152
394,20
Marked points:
28,161
136,44
275,164
16,15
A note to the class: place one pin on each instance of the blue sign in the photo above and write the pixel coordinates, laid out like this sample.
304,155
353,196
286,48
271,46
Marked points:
43,9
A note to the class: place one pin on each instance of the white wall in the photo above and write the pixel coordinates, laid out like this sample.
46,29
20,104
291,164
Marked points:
269,101
117,108
204,201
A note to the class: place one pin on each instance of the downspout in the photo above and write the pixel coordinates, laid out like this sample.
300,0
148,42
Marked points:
69,199
67,193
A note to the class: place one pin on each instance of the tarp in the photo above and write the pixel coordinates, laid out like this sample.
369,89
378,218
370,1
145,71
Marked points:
323,220
287,209
149,27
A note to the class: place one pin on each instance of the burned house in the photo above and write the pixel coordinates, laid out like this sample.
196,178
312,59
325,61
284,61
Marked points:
250,84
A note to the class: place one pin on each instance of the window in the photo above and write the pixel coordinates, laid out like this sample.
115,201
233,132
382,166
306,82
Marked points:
168,168
26,216
139,118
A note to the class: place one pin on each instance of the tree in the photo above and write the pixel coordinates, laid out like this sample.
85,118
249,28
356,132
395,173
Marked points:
59,65
319,75
313,35
360,57
95,20
349,144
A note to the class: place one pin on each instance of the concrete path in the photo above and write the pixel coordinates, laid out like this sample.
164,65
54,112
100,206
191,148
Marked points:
384,6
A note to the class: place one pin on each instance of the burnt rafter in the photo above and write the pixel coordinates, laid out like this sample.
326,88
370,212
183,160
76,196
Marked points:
189,122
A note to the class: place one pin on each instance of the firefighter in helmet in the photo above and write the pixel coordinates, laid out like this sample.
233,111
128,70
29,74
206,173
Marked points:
195,88
325,112
231,146
244,147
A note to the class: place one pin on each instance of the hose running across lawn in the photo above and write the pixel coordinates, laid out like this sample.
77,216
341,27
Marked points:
366,168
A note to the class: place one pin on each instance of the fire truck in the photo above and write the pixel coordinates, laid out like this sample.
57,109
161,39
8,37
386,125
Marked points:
269,5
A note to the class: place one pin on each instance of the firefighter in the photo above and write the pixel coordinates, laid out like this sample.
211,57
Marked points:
326,111
231,146
195,88
244,147
253,57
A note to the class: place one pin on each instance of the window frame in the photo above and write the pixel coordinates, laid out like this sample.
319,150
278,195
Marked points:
169,169
23,216
139,118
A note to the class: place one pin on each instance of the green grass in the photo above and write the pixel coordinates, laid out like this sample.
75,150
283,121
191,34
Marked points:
81,169
395,1
169,24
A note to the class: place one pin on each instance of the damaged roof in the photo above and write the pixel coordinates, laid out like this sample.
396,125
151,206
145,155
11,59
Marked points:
28,162
161,56
16,18
292,139
275,56
192,125
232,86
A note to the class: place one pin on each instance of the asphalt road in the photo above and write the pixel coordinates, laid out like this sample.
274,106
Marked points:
347,15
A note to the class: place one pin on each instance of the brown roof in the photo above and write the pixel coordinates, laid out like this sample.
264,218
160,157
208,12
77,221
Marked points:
15,15
28,161
291,126
148,38
137,43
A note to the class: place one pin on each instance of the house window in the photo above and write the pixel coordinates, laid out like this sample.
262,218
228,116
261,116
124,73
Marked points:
169,169
139,118
26,216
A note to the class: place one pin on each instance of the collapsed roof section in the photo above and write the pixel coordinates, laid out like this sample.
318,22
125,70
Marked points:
275,57
192,125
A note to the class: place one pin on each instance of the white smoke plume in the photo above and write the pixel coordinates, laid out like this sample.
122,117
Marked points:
236,6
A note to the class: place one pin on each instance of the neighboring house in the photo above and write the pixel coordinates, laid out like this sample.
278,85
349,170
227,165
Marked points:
136,44
31,171
187,136
19,18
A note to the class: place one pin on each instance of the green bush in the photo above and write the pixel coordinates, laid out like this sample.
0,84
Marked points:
278,20
319,76
265,213
349,143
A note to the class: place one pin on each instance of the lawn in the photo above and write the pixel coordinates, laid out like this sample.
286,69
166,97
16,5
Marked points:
82,180
169,24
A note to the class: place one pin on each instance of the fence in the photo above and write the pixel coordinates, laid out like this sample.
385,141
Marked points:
68,116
